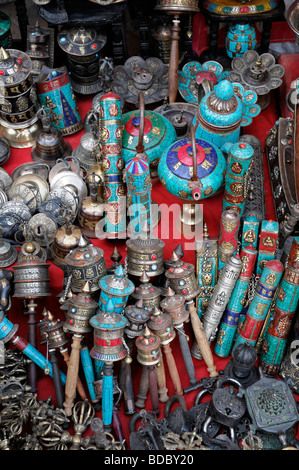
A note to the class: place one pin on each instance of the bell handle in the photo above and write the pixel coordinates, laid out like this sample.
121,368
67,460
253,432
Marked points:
140,145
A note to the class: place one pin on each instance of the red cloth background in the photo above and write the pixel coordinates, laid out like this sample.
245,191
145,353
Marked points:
212,209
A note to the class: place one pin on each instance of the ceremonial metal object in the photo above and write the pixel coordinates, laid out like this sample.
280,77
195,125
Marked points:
228,236
40,47
149,294
137,316
240,38
116,289
145,253
80,308
92,207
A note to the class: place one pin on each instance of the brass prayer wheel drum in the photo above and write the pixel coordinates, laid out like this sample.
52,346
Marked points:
145,254
51,331
177,6
31,276
85,263
183,280
80,308
161,324
108,338
137,317
149,294
174,305
66,239
148,348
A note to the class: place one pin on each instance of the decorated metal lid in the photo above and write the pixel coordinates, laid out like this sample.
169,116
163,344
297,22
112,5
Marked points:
158,134
146,290
117,284
81,41
137,165
15,66
108,319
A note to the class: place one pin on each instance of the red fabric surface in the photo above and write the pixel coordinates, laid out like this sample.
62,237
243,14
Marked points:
211,209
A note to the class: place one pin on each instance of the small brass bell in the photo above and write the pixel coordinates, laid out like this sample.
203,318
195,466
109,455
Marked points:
92,208
50,143
88,151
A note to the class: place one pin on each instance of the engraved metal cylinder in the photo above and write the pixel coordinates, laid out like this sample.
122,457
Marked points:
148,348
145,254
182,280
31,278
228,235
174,305
85,263
149,294
161,325
286,304
108,336
115,288
52,332
229,322
221,295
137,317
80,308
260,303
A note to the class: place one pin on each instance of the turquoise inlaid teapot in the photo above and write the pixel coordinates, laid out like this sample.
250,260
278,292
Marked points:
223,111
192,169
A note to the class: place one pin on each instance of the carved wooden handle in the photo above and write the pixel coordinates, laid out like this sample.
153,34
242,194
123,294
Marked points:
185,350
80,388
201,340
173,371
161,381
143,389
72,374
174,62
153,388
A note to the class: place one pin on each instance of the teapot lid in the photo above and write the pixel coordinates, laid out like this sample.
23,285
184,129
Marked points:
221,107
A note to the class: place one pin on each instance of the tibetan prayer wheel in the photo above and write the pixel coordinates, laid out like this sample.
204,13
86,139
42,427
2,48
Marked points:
31,276
137,316
174,304
116,288
148,348
183,281
228,235
80,308
161,325
52,331
108,328
147,292
85,263
145,253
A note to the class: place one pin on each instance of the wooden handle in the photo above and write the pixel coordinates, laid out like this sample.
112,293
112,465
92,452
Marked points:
185,350
153,388
174,62
161,381
143,389
72,375
173,371
79,385
201,340
59,392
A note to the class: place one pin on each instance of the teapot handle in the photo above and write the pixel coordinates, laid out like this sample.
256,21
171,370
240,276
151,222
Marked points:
140,145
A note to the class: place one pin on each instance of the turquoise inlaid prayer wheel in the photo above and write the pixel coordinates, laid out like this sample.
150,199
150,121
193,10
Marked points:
115,288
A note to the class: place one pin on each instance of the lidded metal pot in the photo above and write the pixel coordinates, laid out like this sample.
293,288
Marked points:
115,288
82,46
108,327
79,309
85,263
31,276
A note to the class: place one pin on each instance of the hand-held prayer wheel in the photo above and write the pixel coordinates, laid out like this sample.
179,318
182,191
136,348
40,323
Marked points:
182,280
228,236
161,325
80,308
149,354
109,346
174,305
137,316
85,263
149,294
260,304
145,253
116,288
53,336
